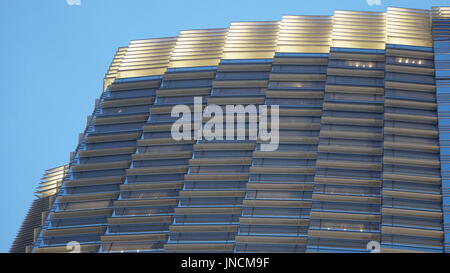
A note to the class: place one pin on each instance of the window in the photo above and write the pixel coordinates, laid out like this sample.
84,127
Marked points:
409,61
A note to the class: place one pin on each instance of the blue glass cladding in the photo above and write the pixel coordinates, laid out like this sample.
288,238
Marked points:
442,66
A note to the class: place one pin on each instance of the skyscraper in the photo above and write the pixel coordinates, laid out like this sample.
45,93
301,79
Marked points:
362,157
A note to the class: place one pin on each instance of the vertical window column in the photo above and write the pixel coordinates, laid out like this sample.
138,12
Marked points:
346,203
441,36
275,215
411,210
206,218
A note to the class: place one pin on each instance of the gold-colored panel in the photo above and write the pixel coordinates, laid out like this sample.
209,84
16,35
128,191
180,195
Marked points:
198,48
305,34
409,27
140,58
441,12
111,74
51,181
355,29
251,40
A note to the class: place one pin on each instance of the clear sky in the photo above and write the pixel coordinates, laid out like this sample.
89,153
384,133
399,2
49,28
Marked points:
54,56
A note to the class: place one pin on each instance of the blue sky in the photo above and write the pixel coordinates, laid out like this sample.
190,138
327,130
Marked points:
54,56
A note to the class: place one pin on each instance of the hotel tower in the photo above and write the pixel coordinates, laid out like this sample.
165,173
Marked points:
363,156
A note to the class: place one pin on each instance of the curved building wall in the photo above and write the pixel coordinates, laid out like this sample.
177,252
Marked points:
359,156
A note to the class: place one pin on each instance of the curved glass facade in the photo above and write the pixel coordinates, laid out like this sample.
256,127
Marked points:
362,157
